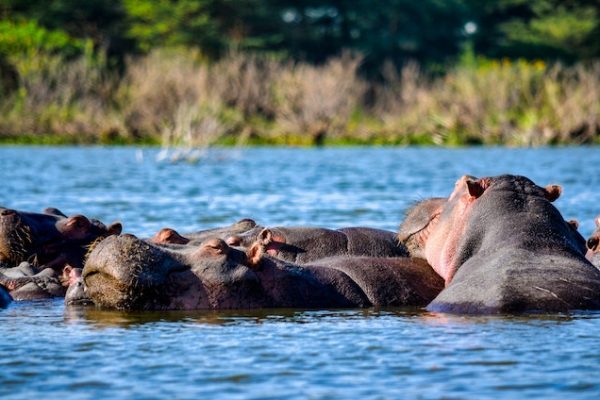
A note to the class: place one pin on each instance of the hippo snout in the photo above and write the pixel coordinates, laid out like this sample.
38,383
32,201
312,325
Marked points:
122,268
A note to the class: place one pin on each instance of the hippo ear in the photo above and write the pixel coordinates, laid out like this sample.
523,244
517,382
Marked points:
254,255
54,211
115,228
265,237
574,223
475,187
552,192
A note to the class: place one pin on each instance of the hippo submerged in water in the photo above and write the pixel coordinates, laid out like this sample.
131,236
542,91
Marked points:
124,272
501,246
299,245
50,239
296,244
37,248
26,282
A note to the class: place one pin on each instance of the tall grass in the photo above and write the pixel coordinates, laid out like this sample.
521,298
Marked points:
177,98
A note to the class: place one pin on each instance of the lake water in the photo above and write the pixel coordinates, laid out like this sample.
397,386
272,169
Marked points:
48,350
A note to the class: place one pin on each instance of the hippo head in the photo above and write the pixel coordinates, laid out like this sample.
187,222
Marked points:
46,235
125,272
443,247
502,246
416,227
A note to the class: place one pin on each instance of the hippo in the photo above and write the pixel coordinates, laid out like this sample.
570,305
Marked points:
593,245
295,244
501,246
50,239
124,272
76,294
419,218
302,245
26,282
244,228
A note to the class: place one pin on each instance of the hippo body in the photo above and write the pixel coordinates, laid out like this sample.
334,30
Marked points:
296,244
503,247
303,245
124,272
26,282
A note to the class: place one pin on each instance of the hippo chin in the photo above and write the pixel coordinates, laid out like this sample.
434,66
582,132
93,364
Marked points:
501,246
124,272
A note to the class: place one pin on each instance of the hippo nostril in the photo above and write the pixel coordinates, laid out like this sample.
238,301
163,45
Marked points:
592,243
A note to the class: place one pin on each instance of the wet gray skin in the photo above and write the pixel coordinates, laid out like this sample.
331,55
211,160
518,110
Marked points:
303,245
414,230
76,294
49,239
26,282
243,231
514,252
124,272
296,244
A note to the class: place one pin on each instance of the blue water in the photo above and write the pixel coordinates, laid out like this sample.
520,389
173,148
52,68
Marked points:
47,350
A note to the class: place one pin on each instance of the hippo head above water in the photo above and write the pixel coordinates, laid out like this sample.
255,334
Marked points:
501,246
124,272
48,236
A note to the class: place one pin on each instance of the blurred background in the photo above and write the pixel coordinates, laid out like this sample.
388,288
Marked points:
300,72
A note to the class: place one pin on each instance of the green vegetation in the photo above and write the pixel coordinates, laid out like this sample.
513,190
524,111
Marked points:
301,72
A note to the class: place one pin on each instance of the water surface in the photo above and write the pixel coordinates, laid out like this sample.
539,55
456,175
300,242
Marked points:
88,353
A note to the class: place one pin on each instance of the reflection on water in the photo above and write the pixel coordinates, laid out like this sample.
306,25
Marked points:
82,352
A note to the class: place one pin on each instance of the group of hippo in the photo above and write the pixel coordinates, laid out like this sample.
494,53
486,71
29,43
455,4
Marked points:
495,245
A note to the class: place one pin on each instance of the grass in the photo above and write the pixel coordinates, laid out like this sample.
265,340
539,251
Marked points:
175,98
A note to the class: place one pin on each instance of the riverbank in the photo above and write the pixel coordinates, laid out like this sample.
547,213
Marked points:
175,98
